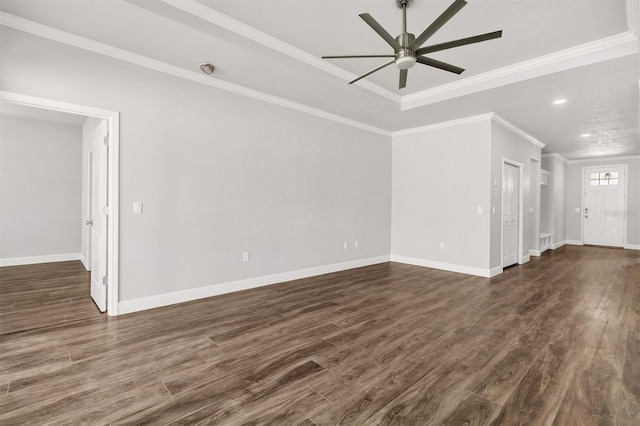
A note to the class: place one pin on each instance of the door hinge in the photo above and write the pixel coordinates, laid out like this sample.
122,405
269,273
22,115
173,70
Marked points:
105,210
104,280
106,140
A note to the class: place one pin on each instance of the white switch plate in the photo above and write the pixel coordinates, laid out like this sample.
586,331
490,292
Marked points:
577,209
441,246
530,209
493,209
356,244
345,245
245,256
137,207
480,210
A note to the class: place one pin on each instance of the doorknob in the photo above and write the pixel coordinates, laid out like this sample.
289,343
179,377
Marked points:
89,222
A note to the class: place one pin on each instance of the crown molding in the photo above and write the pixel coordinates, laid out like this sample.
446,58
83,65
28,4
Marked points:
555,155
596,51
443,124
604,159
50,33
517,130
219,19
472,119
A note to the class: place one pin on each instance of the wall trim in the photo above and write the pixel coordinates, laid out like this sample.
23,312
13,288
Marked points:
633,16
471,119
219,19
495,271
555,155
85,262
50,33
150,302
452,267
585,54
605,159
33,260
535,253
632,246
443,124
524,259
574,242
517,130
558,244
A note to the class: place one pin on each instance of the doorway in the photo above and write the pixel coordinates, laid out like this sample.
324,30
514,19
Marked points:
510,214
107,167
603,205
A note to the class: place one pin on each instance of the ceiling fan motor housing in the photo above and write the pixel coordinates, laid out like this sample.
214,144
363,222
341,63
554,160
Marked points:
405,58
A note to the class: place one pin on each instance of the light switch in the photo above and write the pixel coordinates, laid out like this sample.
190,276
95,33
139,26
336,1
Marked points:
480,210
530,209
577,210
137,207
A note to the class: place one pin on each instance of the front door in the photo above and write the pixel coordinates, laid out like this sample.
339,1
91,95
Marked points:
98,217
604,192
510,214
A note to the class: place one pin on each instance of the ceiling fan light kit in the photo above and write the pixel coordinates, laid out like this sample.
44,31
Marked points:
408,49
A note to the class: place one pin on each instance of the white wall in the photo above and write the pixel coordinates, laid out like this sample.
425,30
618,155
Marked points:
440,177
506,144
554,201
40,184
218,173
574,198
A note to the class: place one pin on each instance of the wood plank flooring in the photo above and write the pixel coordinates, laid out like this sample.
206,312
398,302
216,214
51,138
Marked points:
553,342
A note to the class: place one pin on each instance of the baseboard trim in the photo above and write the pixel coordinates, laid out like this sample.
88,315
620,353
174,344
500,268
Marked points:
452,267
495,271
85,262
524,259
558,244
574,242
632,246
536,253
157,301
33,260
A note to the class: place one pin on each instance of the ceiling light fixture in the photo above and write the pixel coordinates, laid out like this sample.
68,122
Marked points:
207,68
585,135
559,101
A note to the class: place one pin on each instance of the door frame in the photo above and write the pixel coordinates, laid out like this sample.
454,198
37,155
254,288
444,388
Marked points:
113,123
520,167
625,166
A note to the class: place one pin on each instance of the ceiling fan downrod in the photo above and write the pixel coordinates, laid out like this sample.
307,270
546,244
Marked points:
405,57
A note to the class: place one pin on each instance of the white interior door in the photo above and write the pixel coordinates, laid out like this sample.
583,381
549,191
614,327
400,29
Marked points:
99,220
510,213
604,191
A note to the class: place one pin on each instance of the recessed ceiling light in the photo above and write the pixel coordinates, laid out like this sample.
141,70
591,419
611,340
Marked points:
585,135
559,101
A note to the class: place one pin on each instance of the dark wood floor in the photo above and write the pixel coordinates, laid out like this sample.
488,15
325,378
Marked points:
555,341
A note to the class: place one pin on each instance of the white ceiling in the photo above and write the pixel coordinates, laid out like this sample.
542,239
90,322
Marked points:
274,47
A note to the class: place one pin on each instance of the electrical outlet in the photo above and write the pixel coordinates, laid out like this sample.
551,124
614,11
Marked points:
356,244
137,207
493,209
441,246
345,245
480,210
245,256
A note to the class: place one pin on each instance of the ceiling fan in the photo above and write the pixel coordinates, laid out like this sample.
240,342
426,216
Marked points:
408,49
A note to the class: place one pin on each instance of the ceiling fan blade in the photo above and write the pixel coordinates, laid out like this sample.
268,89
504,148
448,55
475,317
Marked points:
359,56
460,42
438,23
403,79
372,71
441,65
381,31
